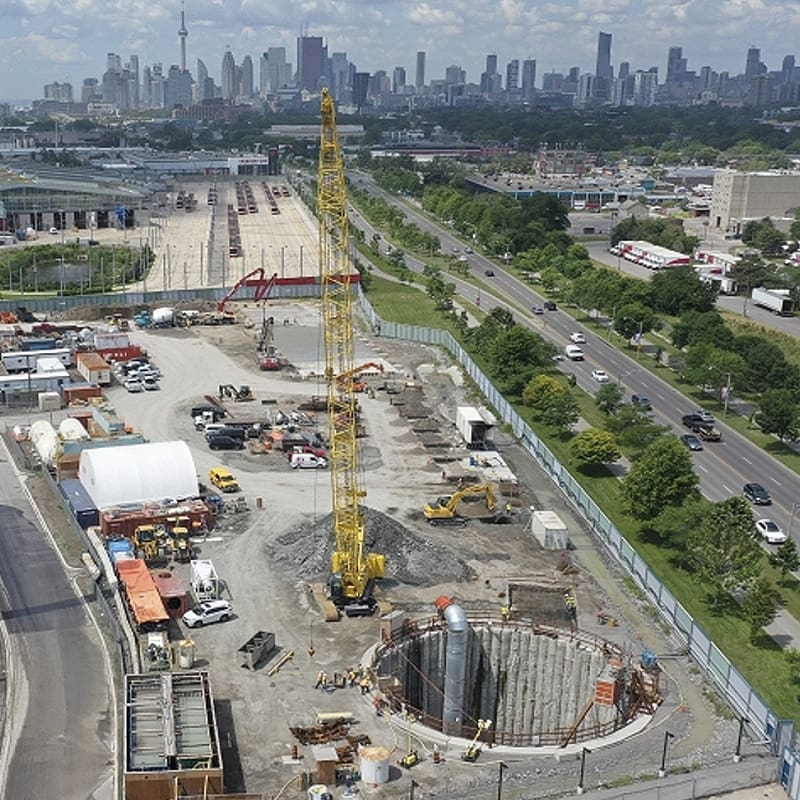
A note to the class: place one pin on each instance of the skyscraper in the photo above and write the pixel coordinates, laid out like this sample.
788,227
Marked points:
753,64
528,79
133,69
275,72
676,64
228,76
202,78
398,80
311,58
247,88
419,76
512,75
604,69
183,33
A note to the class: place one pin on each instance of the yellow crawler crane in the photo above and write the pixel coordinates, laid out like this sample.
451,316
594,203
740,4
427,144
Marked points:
353,570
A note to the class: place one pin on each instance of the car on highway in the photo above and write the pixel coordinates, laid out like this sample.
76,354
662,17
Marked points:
600,375
577,337
463,259
691,441
756,494
489,273
468,250
706,417
641,401
549,305
692,420
207,612
770,531
537,310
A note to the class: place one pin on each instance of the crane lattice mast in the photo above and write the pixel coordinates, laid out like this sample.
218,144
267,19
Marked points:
353,570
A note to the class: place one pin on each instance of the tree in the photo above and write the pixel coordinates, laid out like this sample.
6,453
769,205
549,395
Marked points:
671,527
635,428
562,413
673,291
779,414
662,477
749,271
540,393
595,446
722,550
609,398
633,319
760,606
786,559
516,353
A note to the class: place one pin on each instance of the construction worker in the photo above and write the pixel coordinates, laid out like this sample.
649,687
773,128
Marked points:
377,702
571,605
505,613
366,684
322,681
352,677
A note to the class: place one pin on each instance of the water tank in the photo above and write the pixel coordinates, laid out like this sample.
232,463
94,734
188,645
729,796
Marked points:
71,430
45,439
374,764
318,792
163,316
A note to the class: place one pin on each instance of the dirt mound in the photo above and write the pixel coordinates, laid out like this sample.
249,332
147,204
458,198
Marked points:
306,550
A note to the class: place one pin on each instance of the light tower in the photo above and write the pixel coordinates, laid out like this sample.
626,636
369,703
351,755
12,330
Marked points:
183,33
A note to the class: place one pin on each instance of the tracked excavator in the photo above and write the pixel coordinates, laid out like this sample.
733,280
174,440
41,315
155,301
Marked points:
444,511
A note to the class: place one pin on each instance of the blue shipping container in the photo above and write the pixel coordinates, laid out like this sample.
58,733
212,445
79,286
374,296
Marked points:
80,504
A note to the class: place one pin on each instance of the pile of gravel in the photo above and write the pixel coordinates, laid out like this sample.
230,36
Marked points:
305,551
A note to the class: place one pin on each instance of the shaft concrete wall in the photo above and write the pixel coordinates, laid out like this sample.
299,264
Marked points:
531,685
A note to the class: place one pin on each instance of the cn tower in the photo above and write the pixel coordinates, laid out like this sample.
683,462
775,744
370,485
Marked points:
183,33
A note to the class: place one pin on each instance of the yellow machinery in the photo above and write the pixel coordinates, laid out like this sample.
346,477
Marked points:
182,550
473,748
353,570
446,509
145,542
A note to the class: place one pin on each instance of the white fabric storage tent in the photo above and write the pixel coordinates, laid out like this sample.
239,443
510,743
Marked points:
138,472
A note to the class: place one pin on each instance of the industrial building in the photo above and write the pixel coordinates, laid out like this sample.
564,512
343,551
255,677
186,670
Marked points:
741,196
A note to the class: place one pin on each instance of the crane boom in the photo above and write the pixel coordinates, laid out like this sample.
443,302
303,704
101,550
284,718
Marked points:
352,570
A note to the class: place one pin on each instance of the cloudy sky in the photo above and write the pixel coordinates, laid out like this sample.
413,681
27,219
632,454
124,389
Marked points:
42,41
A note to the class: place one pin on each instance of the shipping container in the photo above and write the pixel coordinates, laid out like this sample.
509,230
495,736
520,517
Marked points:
172,591
117,354
77,392
37,345
144,601
81,506
19,361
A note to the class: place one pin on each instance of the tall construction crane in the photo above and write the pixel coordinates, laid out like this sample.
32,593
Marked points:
353,570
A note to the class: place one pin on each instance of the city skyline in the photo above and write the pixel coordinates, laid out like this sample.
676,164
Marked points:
47,42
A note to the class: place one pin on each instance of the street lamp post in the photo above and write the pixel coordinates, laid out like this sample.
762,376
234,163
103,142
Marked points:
737,756
662,770
584,753
503,766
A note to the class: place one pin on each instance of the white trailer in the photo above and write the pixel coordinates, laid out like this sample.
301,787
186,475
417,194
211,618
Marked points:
778,301
205,581
549,530
472,426
25,360
94,368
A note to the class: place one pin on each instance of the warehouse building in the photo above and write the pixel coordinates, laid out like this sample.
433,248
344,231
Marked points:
138,473
741,196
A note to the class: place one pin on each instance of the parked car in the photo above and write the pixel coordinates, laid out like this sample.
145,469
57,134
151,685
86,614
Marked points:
133,385
757,494
600,375
207,612
691,441
770,531
225,443
642,401
577,337
150,383
307,461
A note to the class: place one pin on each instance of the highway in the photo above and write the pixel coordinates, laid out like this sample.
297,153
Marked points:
58,739
723,467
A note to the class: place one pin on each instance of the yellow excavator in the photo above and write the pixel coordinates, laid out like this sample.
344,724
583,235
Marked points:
145,542
445,509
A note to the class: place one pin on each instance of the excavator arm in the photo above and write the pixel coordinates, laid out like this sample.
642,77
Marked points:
446,508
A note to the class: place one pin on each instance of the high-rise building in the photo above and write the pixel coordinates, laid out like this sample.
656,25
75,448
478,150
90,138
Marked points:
90,89
247,86
157,86
419,75
644,87
178,88
454,75
752,66
624,69
341,82
201,91
787,69
311,57
528,79
183,33
228,82
604,68
512,75
113,62
360,88
275,73
133,69
676,65
398,80
491,64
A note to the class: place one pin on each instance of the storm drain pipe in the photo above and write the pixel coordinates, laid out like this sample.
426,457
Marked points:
455,668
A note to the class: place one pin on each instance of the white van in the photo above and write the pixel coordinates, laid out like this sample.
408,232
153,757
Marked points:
307,461
212,427
573,352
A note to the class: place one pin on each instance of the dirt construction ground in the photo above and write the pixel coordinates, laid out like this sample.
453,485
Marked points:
268,555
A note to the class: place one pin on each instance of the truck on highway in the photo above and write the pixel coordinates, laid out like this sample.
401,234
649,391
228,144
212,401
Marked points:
776,300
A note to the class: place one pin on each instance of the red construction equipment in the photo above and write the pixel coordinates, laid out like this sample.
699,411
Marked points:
256,278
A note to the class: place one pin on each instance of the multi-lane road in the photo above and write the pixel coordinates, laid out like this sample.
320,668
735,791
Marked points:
723,467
